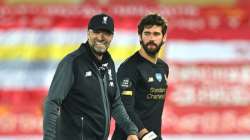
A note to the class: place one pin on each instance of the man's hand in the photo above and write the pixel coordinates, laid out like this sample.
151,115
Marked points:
149,136
132,137
142,132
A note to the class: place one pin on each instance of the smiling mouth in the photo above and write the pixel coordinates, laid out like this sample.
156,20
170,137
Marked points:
152,46
101,46
100,43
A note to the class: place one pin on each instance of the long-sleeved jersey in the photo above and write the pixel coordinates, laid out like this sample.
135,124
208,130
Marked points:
82,96
143,88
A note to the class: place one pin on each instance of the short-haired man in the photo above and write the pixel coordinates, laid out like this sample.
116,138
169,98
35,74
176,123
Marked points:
143,81
84,91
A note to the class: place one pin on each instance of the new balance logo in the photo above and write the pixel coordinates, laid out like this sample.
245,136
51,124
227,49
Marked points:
88,74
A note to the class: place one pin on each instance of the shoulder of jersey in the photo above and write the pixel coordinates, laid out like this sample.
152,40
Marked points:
161,62
131,61
71,56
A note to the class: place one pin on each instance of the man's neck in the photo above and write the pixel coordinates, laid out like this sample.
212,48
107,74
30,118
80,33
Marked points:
99,57
152,59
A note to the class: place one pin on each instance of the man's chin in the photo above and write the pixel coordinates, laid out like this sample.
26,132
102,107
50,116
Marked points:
151,52
100,52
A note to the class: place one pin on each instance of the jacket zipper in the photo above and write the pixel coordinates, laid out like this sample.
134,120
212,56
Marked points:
105,101
108,107
82,119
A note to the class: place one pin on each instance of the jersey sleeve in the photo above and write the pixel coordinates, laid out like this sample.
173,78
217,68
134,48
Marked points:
121,117
119,112
127,79
60,86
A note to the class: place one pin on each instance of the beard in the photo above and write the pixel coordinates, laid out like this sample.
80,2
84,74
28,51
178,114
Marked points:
99,50
150,51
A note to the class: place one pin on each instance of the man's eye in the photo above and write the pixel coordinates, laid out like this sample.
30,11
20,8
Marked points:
157,33
107,33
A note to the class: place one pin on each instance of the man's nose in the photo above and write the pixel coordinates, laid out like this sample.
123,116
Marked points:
100,36
151,37
151,41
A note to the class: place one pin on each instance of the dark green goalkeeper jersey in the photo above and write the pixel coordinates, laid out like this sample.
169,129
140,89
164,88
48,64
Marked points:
143,88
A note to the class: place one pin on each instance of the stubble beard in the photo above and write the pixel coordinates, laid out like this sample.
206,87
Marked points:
99,51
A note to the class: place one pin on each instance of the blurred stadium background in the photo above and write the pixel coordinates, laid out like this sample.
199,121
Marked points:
208,50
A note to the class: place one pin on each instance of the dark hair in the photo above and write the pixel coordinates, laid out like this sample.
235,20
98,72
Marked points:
150,20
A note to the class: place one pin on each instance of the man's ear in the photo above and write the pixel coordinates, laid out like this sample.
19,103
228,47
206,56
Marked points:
88,34
165,37
140,37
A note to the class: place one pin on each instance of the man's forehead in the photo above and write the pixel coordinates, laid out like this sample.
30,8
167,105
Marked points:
101,30
153,29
